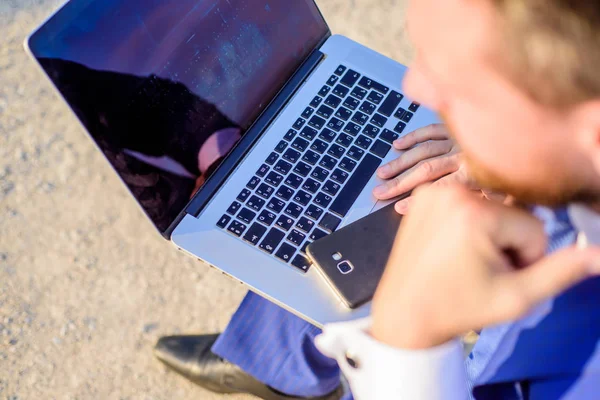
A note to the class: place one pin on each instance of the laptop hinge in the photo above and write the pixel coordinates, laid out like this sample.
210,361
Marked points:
229,164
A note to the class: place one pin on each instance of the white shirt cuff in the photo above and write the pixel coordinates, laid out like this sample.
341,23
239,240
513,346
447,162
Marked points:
383,372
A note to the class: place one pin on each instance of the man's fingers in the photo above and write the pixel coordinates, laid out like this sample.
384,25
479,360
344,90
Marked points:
413,156
518,291
430,132
402,206
425,171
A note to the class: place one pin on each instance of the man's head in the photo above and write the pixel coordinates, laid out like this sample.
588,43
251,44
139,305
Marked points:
518,83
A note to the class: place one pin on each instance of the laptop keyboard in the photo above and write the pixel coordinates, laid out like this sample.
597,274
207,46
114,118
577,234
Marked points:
311,179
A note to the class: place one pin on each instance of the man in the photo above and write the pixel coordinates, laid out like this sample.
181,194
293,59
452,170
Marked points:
517,83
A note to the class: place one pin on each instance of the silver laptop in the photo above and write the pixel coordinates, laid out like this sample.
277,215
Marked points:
243,128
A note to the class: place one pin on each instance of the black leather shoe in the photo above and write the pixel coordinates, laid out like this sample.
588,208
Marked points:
191,356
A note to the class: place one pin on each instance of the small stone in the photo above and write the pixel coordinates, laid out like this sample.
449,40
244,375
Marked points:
13,341
56,341
3,256
150,327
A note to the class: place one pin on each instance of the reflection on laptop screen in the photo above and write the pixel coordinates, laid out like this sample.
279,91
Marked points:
167,87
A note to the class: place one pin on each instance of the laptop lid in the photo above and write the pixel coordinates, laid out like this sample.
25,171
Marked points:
166,88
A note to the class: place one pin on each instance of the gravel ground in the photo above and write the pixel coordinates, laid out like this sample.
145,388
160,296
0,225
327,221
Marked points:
86,285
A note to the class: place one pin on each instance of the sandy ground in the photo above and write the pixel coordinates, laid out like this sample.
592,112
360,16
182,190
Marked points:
86,285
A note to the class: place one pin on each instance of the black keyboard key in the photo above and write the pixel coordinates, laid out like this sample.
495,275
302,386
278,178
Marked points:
317,234
267,217
371,84
302,169
284,192
339,176
252,183
327,135
272,240
400,113
375,97
291,155
317,122
400,127
364,142
265,191
325,111
234,207
351,103
285,252
333,101
343,113
335,124
380,149
304,247
302,198
367,107
319,146
360,118
355,153
355,185
255,233
359,93
272,158
246,215
323,200
294,181
414,107
301,262
300,144
407,116
305,224
328,162
314,212
340,91
293,210
390,104
344,140
336,150
324,90
330,222
299,123
255,203
237,228
283,167
347,164
296,237
371,131
379,120
331,188
350,78
262,171
285,222
315,102
290,135
320,174
274,178
352,128
307,112
244,194
311,186
340,70
224,221
276,205
311,157
332,80
389,136
309,133
281,146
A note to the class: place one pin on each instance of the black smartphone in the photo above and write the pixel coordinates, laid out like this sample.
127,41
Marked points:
353,259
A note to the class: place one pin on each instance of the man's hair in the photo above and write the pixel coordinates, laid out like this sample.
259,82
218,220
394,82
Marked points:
552,48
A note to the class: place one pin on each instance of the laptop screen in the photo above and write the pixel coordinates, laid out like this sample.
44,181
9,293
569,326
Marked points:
167,87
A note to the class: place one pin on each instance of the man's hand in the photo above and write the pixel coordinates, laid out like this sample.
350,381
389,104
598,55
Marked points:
461,263
430,156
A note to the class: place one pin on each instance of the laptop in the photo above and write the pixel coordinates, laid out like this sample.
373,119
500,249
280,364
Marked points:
244,129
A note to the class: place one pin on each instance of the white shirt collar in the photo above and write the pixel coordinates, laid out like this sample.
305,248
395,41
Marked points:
586,221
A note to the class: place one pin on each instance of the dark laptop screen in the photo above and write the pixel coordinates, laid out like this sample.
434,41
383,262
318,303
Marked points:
167,87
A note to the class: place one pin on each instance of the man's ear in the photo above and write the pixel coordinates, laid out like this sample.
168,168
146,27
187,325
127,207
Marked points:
586,118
